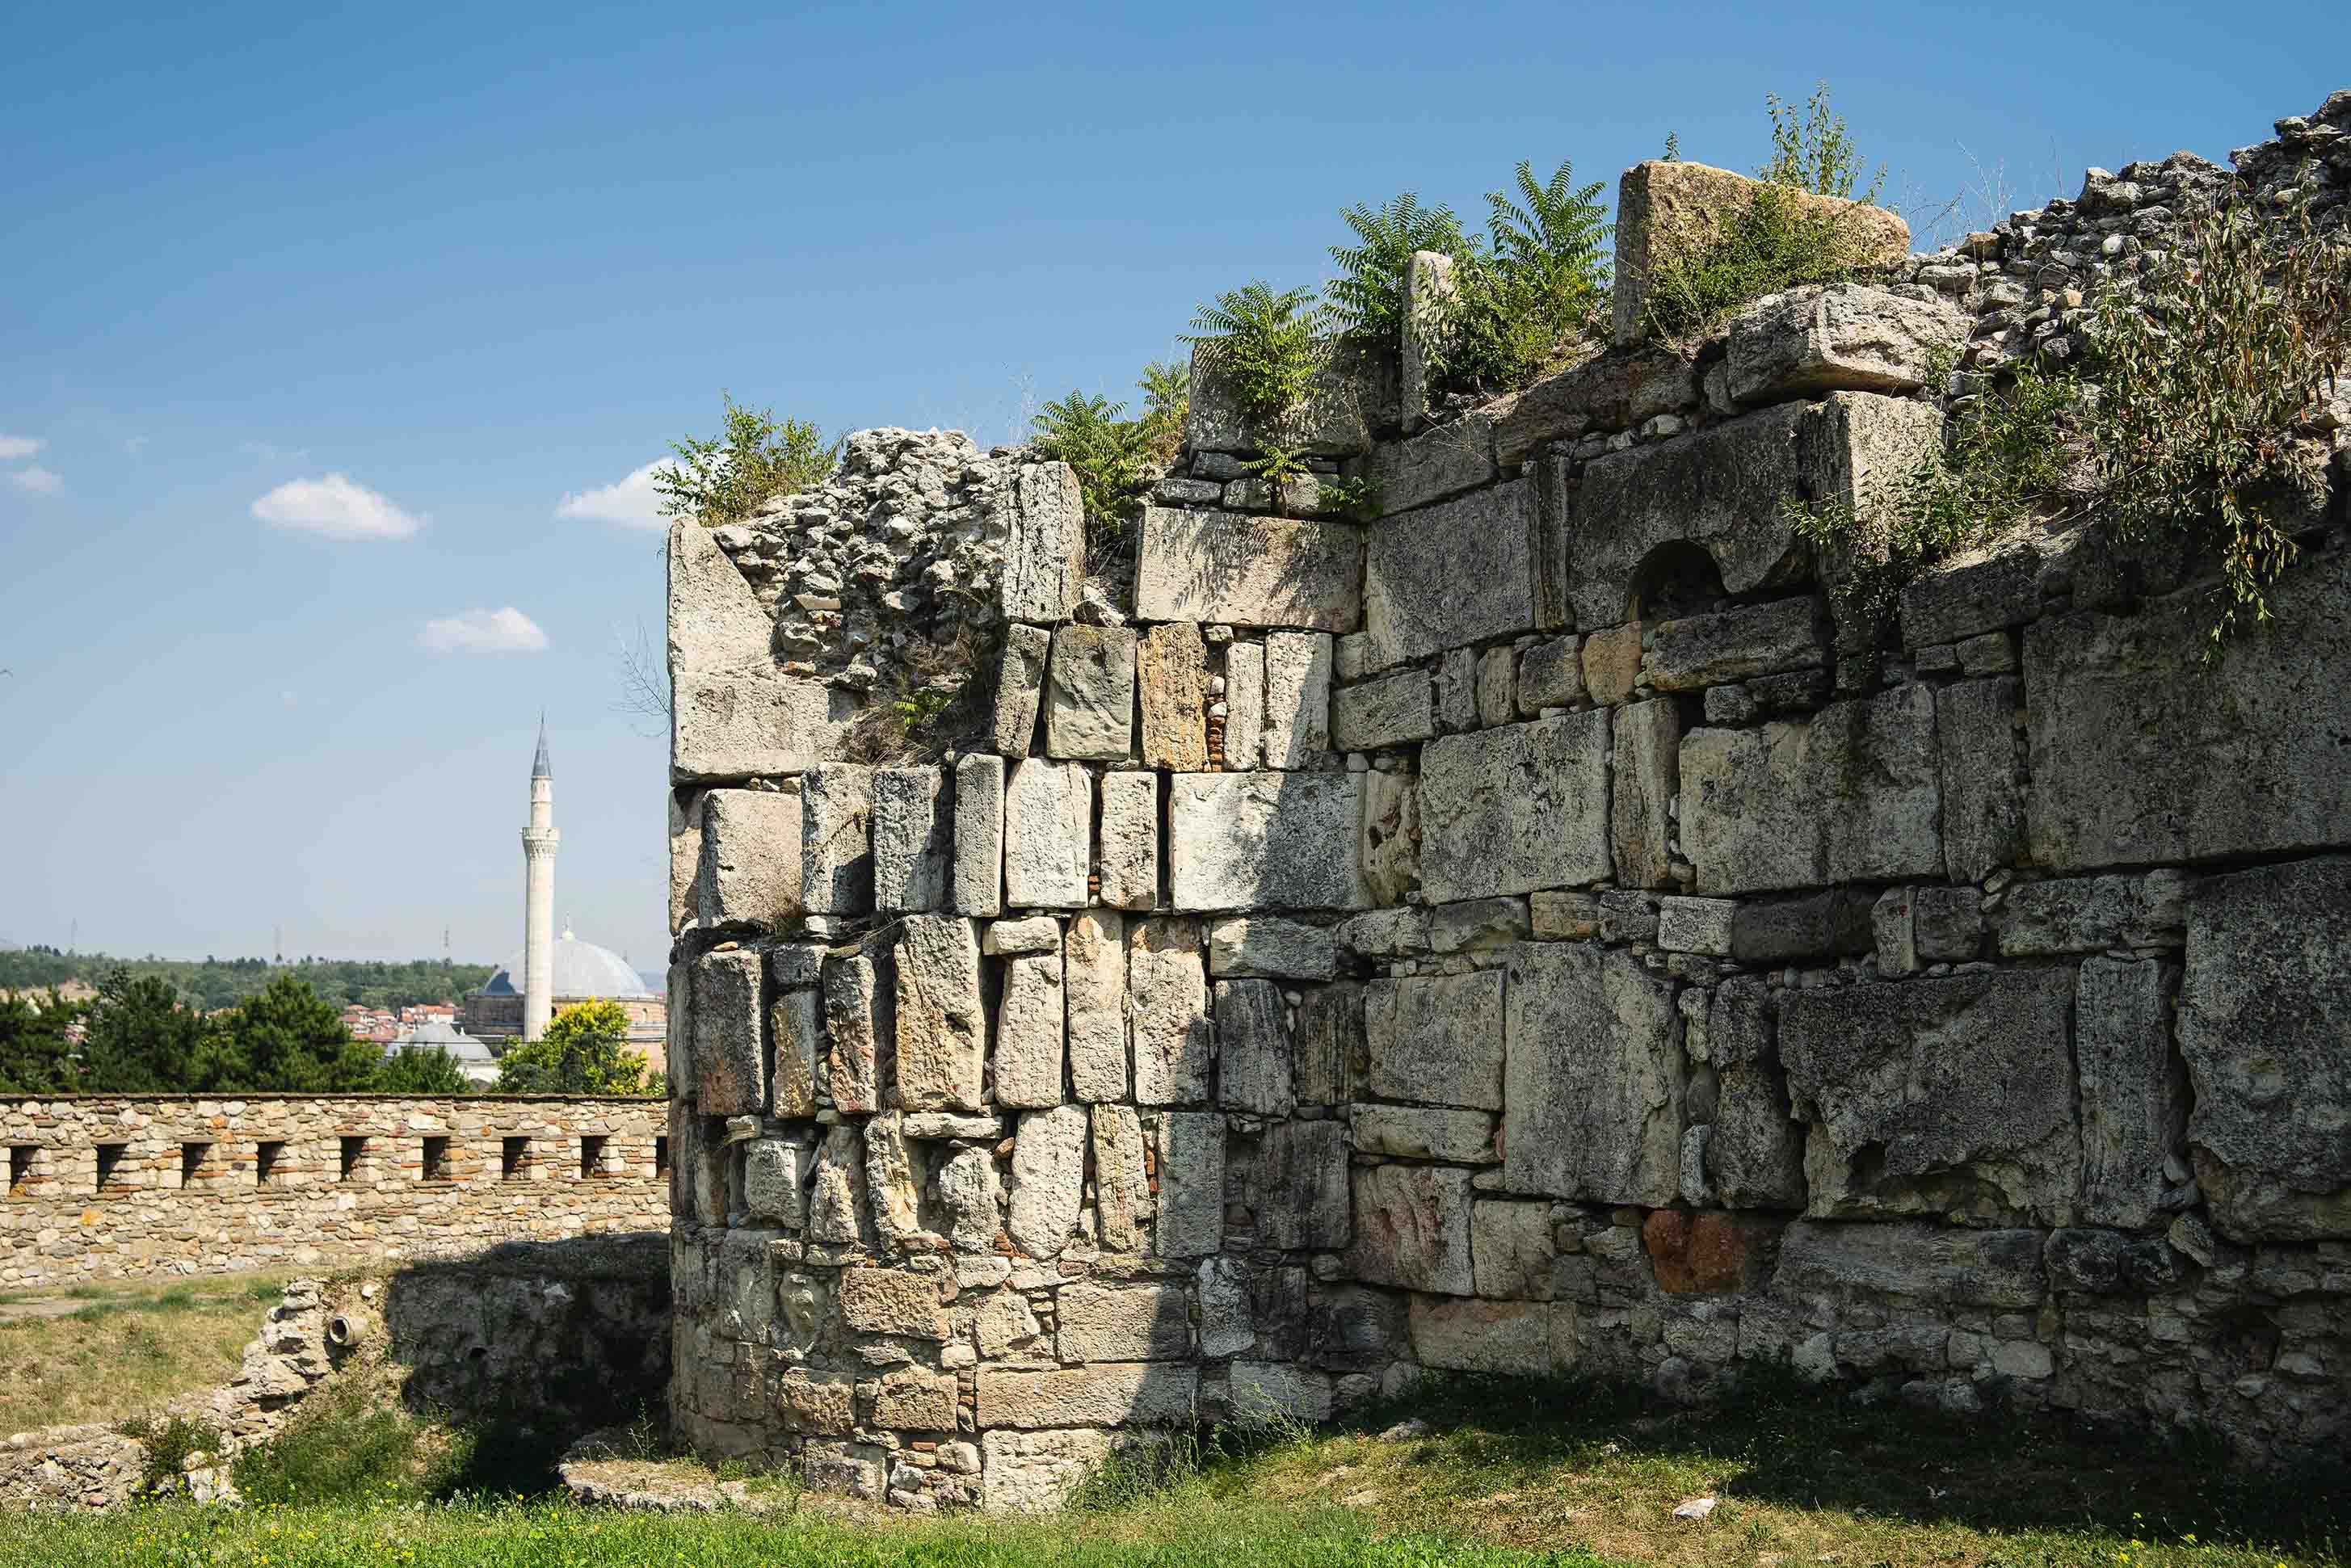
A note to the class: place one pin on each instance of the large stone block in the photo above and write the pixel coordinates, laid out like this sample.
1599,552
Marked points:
1241,946
1048,835
1328,1040
2134,1100
1423,1133
1851,795
1392,711
1515,808
942,1020
1391,839
1223,568
1436,1040
1253,1048
889,1302
1106,1393
1612,391
750,868
1649,738
1172,673
1123,1323
1511,1249
1450,575
978,887
1297,668
1667,210
1754,1147
1090,694
1514,1339
774,1173
1303,1171
1592,1097
1167,999
1455,456
730,1057
1984,806
915,1401
1045,549
893,1191
1094,982
685,859
1191,1182
2140,755
735,715
2091,914
1264,1391
1037,1472
1029,1021
1948,1268
792,1024
1020,688
2265,1011
1350,398
1265,840
1842,337
1951,1097
837,840
860,1020
913,839
835,1216
1243,705
1411,1228
1049,1176
1129,840
1732,644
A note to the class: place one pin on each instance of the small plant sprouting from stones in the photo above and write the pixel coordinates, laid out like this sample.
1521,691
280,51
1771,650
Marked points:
1280,468
752,459
1270,344
1116,458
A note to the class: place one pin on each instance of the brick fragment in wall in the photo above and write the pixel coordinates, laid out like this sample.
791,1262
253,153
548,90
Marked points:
798,1040
1224,568
1123,1192
1297,699
1649,738
1028,1032
1436,1040
1851,795
1265,840
1170,672
942,1029
1045,556
1191,1160
1095,986
730,1059
1048,834
1951,1097
1168,1003
2134,764
1390,849
1129,840
1048,1165
1392,710
1243,705
750,868
836,840
1592,1107
1020,688
1983,805
1412,1227
2268,959
913,839
1253,1049
1515,809
978,882
1734,645
1328,1041
860,1031
1450,575
1090,694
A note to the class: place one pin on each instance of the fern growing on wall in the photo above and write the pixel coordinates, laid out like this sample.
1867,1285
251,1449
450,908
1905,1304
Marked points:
1268,343
1366,300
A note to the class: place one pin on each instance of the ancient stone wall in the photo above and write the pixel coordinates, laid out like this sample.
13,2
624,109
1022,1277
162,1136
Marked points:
1530,931
144,1184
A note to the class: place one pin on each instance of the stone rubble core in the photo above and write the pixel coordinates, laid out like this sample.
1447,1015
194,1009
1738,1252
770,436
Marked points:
1530,931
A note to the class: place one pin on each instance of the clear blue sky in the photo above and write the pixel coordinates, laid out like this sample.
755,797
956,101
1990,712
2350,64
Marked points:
314,317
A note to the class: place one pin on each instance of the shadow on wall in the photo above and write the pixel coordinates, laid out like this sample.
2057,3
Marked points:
579,1328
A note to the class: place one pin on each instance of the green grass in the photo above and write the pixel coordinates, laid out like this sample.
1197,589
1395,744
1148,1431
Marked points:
129,1347
1551,1472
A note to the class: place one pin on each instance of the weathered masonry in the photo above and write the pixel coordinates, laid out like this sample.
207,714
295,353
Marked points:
111,1189
1523,932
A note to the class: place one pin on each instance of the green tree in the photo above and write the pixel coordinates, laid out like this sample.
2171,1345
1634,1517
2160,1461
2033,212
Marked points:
289,1040
142,1041
36,1055
422,1069
585,1051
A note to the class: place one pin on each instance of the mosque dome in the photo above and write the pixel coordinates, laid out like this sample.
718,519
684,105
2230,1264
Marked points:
472,1057
580,969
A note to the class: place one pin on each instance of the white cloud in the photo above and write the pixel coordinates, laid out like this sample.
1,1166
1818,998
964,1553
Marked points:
335,509
507,630
37,480
633,503
14,446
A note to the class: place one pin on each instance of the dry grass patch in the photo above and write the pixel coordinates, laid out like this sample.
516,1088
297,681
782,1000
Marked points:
118,1349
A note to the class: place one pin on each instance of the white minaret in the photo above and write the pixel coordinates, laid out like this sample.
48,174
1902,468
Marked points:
539,897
